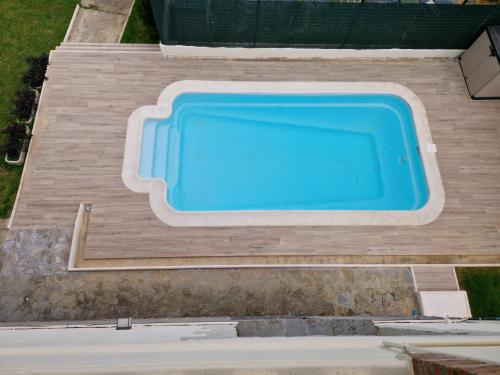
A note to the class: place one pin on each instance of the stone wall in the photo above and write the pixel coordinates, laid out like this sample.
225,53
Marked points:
442,364
34,285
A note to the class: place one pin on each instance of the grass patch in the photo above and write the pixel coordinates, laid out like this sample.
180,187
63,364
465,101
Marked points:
483,288
27,27
141,26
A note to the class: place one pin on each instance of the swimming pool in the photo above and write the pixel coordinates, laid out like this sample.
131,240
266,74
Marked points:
284,153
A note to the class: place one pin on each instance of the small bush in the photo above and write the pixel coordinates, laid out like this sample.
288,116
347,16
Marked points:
15,136
483,288
24,103
141,27
37,67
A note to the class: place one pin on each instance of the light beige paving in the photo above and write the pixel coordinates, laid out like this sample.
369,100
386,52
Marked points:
77,155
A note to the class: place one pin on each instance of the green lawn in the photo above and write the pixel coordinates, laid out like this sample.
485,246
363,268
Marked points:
27,27
483,288
141,27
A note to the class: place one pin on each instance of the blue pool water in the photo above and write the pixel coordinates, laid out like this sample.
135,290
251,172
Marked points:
286,152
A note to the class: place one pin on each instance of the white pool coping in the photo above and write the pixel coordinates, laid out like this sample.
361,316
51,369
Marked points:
157,188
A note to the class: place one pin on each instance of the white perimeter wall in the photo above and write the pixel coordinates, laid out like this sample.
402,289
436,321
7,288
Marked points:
304,53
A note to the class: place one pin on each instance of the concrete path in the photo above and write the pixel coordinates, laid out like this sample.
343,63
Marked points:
100,21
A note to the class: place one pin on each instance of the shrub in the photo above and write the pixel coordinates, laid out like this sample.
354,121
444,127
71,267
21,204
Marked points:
24,103
37,66
15,136
483,289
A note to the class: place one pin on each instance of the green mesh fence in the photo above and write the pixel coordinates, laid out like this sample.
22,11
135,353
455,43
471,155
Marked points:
320,23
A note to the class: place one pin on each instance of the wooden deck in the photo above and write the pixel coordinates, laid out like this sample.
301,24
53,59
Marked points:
76,156
433,278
